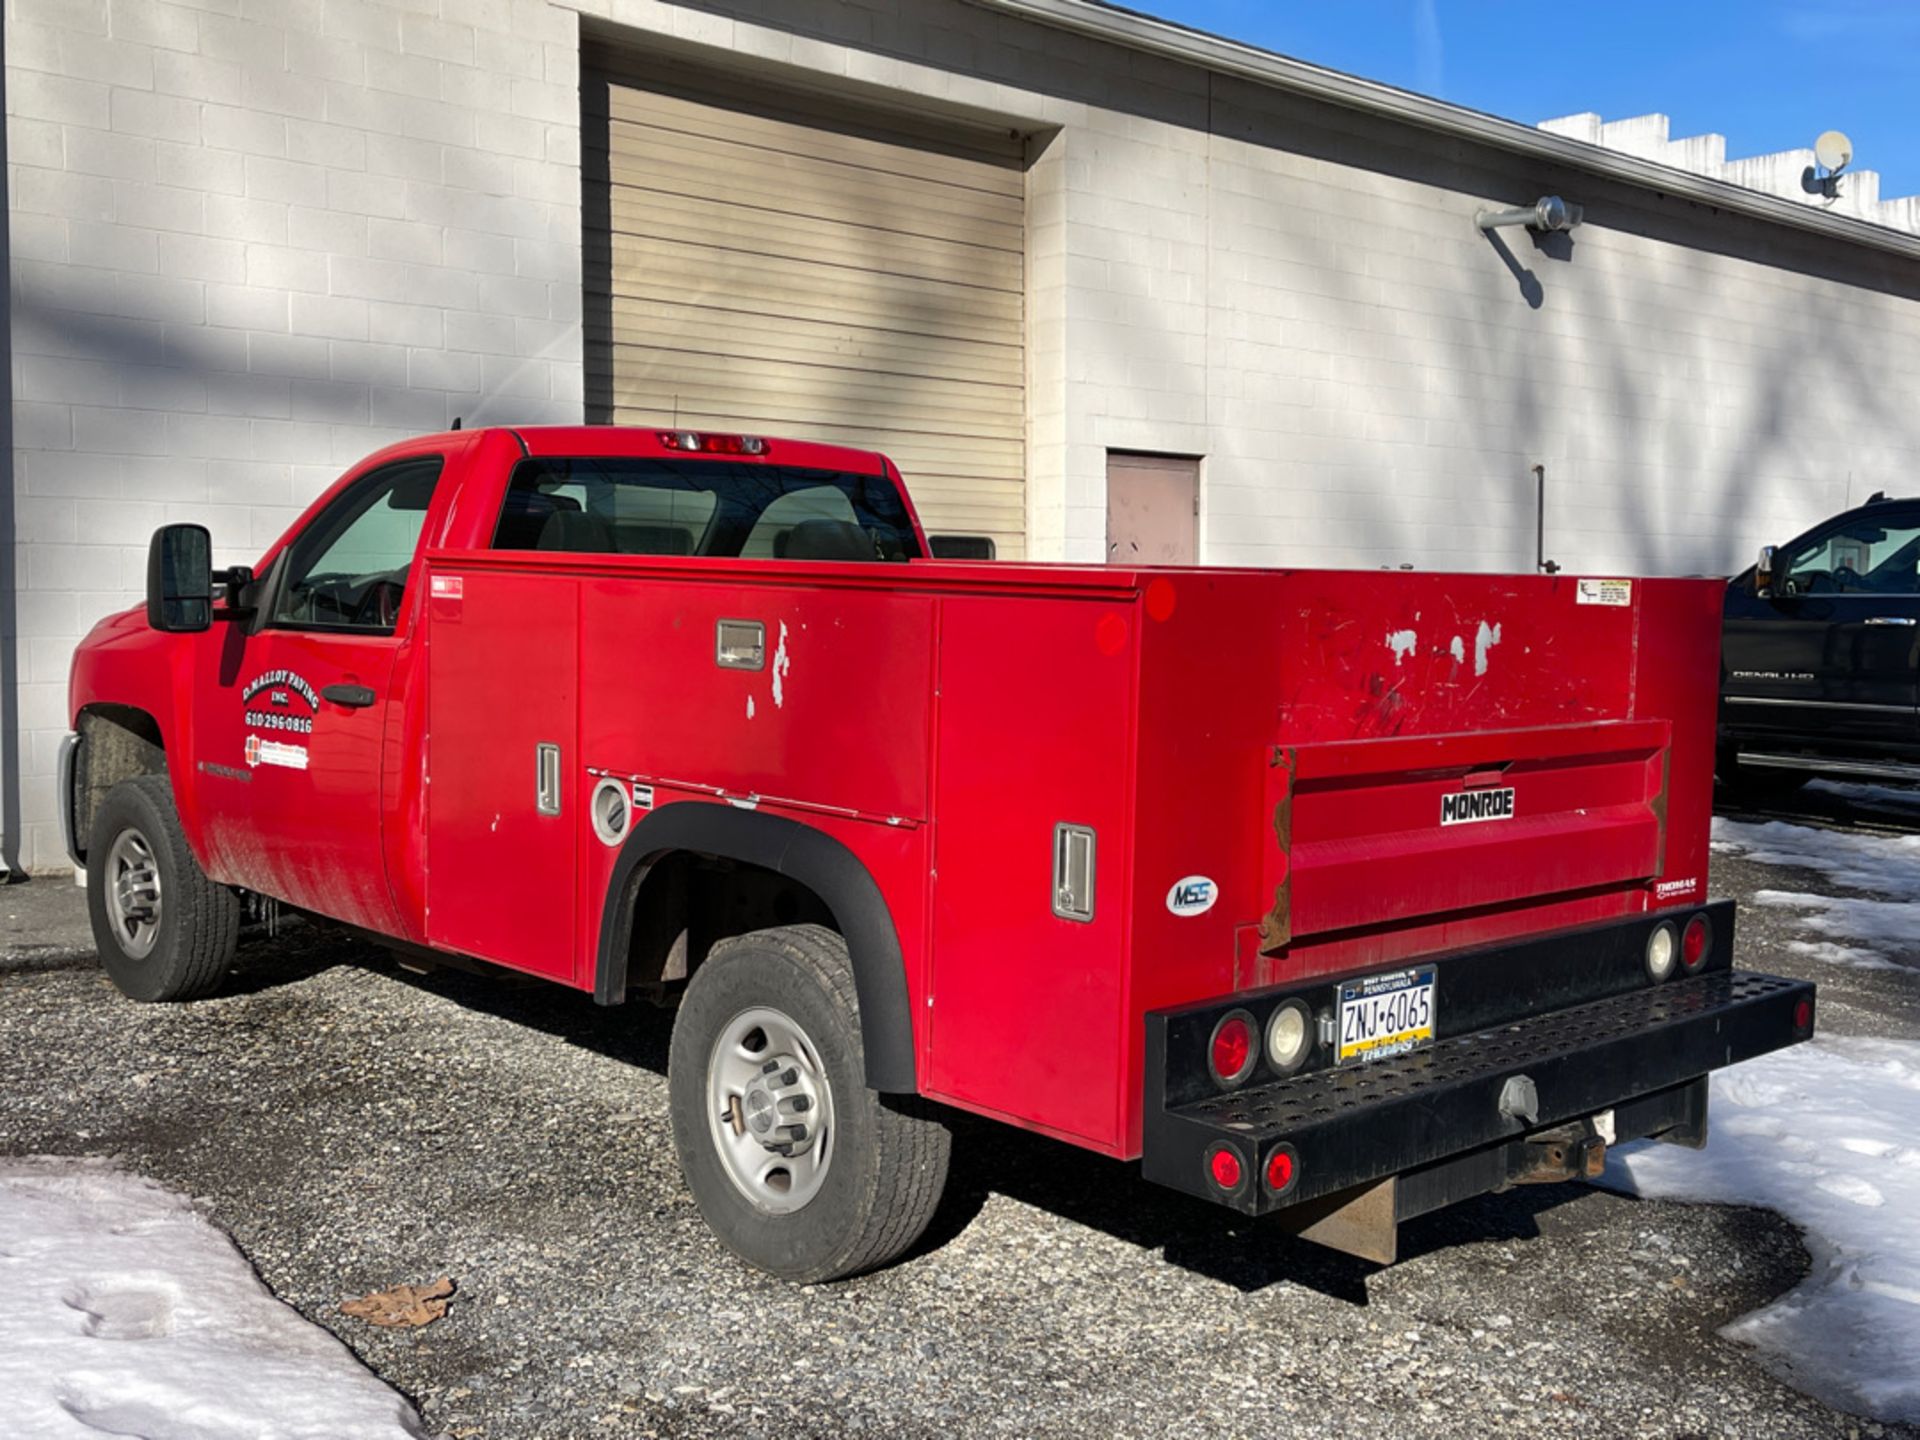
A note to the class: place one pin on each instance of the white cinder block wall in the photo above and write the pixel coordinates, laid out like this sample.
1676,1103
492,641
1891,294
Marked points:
252,241
1300,297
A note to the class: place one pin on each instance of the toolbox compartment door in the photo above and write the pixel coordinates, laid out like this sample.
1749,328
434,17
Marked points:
503,686
1377,832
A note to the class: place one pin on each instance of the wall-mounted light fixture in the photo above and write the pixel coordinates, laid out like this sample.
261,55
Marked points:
1548,213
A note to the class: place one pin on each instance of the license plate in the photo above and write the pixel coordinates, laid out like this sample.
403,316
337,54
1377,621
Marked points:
1382,1015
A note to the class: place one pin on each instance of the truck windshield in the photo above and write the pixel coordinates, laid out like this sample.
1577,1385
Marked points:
623,505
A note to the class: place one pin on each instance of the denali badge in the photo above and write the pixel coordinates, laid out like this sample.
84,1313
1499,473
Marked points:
1476,805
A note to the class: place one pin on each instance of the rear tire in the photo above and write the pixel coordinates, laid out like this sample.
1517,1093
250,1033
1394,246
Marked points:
795,1164
164,931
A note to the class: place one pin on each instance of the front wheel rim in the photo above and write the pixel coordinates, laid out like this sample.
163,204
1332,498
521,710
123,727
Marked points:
770,1110
133,894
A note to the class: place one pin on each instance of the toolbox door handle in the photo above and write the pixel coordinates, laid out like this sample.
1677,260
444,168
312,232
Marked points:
546,778
354,697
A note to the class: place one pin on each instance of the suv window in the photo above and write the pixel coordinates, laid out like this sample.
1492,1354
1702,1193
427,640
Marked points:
348,569
625,505
1871,555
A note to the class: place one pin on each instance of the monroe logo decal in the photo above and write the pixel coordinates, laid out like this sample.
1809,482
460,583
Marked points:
282,688
1476,805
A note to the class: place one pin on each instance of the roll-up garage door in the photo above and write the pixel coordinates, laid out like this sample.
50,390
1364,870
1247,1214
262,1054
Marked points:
795,268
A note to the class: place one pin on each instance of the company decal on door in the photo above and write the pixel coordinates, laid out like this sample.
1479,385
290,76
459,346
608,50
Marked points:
274,701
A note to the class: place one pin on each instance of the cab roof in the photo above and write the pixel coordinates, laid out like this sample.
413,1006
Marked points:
672,442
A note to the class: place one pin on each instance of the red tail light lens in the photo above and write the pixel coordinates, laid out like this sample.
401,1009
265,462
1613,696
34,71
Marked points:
1281,1168
1803,1015
1694,942
1231,1051
1223,1165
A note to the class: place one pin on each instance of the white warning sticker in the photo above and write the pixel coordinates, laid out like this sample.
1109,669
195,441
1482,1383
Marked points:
1604,592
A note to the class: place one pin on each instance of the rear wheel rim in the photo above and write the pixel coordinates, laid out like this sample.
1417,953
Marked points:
770,1110
133,894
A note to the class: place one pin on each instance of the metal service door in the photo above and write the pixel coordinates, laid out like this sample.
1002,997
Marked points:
1153,505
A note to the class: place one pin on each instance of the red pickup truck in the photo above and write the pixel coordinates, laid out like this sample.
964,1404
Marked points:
1334,897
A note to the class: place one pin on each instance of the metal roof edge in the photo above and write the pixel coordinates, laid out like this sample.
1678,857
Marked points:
1231,57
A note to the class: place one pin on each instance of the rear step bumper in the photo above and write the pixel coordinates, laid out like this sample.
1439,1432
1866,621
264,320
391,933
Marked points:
1459,1112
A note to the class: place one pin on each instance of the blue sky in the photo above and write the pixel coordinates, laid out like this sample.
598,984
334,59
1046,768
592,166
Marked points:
1768,74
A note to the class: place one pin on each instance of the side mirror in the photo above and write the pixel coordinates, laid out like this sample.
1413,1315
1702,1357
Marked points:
1763,571
961,547
180,579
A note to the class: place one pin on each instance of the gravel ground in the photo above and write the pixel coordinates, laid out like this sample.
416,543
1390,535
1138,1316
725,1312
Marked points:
354,1125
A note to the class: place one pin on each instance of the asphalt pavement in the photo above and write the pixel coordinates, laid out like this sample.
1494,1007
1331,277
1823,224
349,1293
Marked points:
354,1125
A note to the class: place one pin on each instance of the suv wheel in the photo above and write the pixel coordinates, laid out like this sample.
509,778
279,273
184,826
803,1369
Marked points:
795,1164
164,931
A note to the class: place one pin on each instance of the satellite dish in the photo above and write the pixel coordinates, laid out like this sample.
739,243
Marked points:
1833,150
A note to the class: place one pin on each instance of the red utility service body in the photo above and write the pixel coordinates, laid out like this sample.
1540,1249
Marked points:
1288,746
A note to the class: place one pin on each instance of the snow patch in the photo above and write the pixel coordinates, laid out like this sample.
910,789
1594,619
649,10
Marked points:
1821,1133
1403,643
1851,955
122,1312
1877,864
782,663
1884,864
1487,637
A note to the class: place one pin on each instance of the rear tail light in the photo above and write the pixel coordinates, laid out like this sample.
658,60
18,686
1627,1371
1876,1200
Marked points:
1289,1036
703,442
1695,941
1803,1016
1282,1167
1223,1167
1663,952
1231,1052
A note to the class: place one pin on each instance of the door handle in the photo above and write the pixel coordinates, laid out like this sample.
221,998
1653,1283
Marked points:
1892,620
354,697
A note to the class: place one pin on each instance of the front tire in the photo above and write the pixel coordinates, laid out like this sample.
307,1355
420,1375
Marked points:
795,1164
164,931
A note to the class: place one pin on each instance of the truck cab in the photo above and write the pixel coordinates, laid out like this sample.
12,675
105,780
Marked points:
1330,898
1820,656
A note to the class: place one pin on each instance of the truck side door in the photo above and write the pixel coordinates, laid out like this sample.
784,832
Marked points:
291,709
1828,658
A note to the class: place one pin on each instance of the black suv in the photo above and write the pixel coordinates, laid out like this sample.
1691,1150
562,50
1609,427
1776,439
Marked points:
1819,653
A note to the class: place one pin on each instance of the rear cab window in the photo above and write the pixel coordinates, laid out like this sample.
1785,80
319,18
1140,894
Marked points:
622,505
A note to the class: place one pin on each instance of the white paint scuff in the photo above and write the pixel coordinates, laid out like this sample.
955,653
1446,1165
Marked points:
782,663
1485,640
749,707
122,1312
1403,643
1458,649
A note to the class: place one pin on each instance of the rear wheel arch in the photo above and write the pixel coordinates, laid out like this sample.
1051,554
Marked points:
812,860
